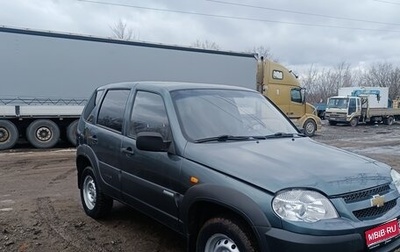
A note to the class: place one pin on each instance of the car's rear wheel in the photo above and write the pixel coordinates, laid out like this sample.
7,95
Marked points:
94,202
224,234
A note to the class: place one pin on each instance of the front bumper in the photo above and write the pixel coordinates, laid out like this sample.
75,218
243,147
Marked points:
282,240
340,118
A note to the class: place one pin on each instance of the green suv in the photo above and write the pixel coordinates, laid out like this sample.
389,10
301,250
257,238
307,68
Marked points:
223,167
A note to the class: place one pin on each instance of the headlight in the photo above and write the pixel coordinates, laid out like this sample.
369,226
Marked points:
303,205
396,178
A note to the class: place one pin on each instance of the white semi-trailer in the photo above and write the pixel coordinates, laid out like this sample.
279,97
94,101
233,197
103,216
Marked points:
45,77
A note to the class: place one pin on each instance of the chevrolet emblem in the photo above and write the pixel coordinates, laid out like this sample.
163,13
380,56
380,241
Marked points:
377,200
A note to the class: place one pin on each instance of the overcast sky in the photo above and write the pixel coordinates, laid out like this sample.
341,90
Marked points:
298,33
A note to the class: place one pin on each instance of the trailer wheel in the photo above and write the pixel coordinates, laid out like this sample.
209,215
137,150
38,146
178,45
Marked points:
309,127
389,120
71,132
43,134
8,134
354,122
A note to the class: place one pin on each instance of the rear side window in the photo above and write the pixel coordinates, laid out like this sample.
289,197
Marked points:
112,109
91,104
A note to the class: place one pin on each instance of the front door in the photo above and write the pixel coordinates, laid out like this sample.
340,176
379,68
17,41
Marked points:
147,176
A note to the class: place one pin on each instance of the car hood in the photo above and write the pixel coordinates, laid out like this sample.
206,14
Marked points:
276,164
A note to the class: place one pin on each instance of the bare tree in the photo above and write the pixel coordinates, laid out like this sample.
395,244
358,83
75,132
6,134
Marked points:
323,83
121,30
384,75
263,51
206,44
394,88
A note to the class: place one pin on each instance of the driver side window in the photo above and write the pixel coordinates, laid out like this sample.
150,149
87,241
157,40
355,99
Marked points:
295,95
149,115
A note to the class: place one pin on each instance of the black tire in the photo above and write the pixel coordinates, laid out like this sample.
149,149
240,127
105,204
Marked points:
43,133
353,122
224,234
94,202
309,127
389,120
333,123
8,134
71,132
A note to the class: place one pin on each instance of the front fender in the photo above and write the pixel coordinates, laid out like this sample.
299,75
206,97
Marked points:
227,197
313,117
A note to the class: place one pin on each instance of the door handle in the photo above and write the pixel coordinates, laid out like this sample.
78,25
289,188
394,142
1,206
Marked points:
128,150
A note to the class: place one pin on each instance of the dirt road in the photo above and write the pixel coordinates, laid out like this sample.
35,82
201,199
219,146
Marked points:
40,207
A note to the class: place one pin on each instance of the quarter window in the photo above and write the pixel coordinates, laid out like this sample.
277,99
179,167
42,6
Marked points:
112,109
91,105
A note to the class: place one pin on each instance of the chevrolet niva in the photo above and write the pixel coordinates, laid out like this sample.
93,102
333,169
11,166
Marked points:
223,167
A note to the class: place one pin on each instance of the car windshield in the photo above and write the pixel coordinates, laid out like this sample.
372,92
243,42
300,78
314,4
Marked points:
340,103
221,115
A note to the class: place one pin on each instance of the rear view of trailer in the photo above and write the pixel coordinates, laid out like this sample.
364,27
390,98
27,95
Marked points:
47,68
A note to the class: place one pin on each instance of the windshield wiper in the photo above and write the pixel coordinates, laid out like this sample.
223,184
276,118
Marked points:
223,138
281,135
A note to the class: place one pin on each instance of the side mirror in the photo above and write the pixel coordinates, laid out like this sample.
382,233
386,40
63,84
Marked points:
303,95
152,141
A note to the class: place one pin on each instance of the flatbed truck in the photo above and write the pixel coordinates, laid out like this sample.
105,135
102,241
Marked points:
362,105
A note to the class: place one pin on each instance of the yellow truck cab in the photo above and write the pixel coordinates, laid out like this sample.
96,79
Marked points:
283,88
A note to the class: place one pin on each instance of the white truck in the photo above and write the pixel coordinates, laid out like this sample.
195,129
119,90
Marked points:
355,105
45,77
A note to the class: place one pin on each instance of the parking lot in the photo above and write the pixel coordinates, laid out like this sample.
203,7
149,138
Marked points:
40,207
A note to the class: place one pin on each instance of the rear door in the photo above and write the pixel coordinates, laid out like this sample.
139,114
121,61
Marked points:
105,137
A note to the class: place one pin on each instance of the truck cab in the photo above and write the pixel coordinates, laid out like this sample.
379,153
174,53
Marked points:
282,87
341,109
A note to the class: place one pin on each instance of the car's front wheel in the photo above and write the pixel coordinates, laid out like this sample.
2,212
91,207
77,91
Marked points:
94,202
224,234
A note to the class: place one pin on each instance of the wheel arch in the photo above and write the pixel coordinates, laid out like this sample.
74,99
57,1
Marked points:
85,157
317,121
203,202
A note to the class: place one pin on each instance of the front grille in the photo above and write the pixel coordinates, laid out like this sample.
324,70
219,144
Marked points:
365,194
373,212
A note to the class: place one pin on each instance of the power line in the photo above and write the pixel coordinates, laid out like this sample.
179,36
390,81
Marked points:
235,18
305,13
387,2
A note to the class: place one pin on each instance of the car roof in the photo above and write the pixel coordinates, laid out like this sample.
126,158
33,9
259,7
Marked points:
169,86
